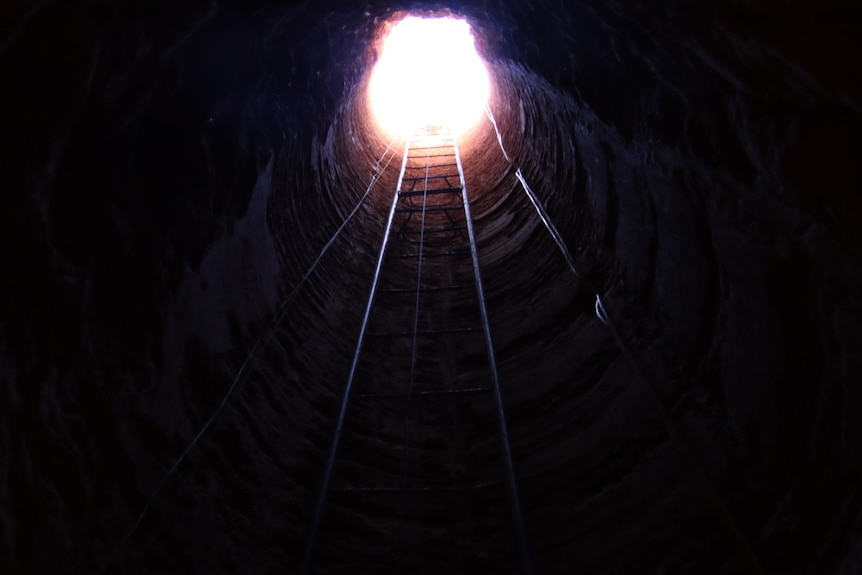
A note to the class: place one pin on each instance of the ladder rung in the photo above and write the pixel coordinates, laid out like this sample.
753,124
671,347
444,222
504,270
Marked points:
420,392
443,147
432,161
432,230
423,178
415,255
434,192
429,209
430,166
424,332
454,287
418,488
429,157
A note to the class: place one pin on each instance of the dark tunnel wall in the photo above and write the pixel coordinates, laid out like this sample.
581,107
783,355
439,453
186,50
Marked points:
171,173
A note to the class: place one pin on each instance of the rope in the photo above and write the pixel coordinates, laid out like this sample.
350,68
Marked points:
259,346
713,499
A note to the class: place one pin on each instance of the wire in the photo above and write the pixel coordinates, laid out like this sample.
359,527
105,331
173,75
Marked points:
713,499
407,401
600,310
258,347
503,429
497,130
314,529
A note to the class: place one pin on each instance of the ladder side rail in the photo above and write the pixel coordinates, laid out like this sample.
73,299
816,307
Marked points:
314,529
511,481
407,400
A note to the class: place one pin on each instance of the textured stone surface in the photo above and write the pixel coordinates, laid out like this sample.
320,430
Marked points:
170,174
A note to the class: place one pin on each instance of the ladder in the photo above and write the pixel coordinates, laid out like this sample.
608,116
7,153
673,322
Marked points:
423,399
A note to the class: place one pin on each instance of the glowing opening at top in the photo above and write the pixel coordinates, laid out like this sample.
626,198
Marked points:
428,75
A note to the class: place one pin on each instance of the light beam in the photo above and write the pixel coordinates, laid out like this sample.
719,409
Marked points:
429,75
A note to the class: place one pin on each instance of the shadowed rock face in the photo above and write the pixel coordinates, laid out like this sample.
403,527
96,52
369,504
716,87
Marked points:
169,175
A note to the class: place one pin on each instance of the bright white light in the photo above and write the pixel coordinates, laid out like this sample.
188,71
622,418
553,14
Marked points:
429,74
